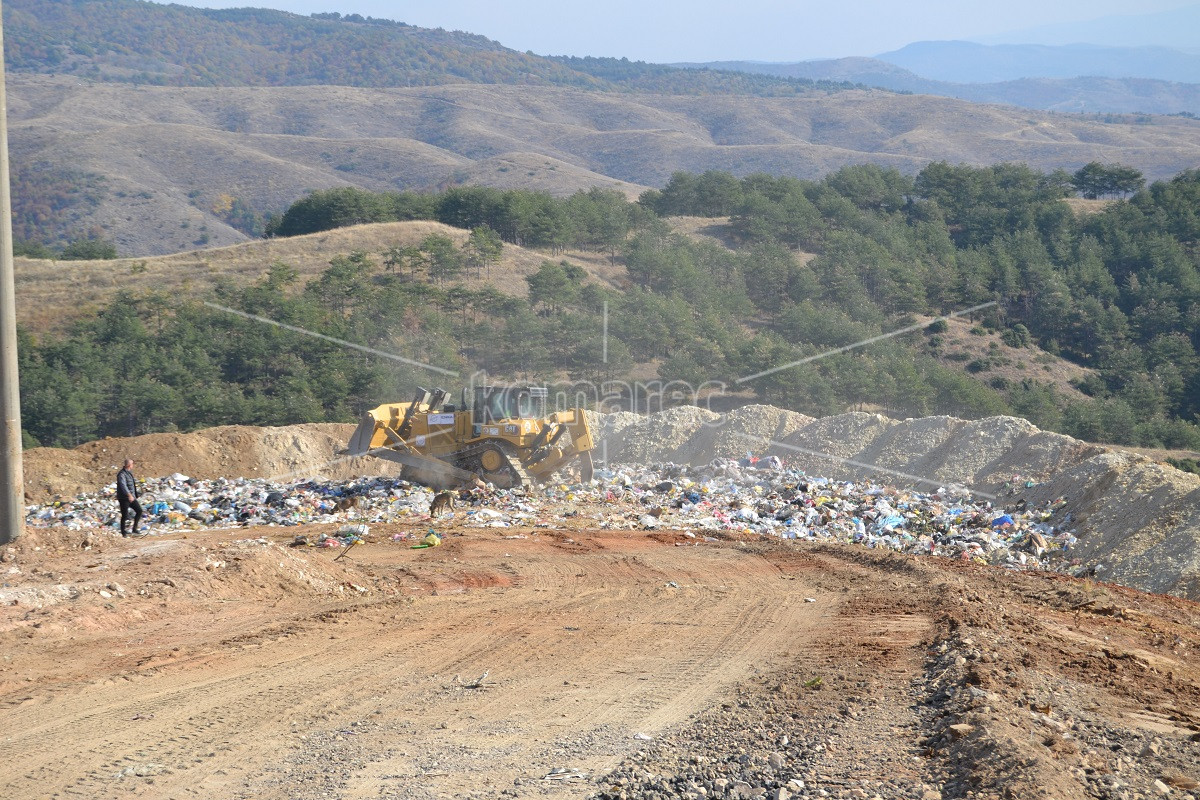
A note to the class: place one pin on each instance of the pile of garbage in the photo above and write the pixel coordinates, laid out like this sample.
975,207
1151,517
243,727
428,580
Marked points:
722,499
1137,521
178,502
764,499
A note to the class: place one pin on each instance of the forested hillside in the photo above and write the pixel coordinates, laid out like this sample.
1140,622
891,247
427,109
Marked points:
1117,291
171,45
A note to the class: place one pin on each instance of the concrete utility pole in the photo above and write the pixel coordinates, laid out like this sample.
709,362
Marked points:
12,481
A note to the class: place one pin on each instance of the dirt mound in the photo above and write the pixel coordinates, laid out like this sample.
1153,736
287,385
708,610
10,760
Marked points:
825,446
605,427
986,455
748,429
914,446
1139,522
287,453
665,436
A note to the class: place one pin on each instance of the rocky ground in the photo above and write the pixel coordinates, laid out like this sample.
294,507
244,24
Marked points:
1019,689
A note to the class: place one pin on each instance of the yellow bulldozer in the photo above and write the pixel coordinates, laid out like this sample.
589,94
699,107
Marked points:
500,434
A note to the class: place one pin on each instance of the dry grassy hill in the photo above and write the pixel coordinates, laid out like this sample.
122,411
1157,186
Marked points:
986,355
52,293
167,154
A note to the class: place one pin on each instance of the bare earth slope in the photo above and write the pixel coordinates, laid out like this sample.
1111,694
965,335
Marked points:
168,154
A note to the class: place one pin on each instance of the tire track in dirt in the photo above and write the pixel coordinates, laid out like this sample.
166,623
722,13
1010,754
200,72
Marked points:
597,644
840,714
640,660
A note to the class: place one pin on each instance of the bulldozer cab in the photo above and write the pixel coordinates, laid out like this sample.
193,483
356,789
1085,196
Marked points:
496,403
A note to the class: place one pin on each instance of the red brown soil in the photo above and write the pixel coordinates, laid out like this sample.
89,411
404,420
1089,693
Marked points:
226,664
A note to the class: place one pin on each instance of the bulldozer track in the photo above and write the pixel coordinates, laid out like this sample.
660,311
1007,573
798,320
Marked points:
469,458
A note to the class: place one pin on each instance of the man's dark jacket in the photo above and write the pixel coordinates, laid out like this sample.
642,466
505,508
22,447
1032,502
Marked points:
126,486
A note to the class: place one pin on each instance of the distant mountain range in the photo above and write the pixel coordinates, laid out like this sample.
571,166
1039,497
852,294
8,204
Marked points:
1148,63
1080,94
969,62
1175,28
164,127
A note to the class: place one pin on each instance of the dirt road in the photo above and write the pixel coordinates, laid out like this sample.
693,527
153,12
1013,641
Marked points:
577,663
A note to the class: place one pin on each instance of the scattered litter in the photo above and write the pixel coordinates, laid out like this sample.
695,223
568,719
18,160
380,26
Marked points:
183,503
645,737
432,539
565,774
141,771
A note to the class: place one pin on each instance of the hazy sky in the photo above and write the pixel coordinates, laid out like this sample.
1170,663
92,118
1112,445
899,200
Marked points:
707,30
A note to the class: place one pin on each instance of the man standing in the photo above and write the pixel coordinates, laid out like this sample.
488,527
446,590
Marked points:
127,494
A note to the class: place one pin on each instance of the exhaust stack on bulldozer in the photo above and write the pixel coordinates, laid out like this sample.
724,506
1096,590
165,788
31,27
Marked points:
501,435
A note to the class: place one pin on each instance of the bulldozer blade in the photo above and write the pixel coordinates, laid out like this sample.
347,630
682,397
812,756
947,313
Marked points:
432,472
360,441
585,466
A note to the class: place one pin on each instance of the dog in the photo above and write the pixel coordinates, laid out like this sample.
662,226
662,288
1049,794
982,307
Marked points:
442,502
347,503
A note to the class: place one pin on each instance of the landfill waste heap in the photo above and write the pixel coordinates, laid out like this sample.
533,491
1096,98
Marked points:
995,491
721,498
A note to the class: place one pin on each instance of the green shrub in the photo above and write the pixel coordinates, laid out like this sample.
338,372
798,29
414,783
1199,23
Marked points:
1191,465
89,250
1016,336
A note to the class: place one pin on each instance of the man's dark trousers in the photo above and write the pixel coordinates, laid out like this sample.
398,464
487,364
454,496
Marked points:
126,505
